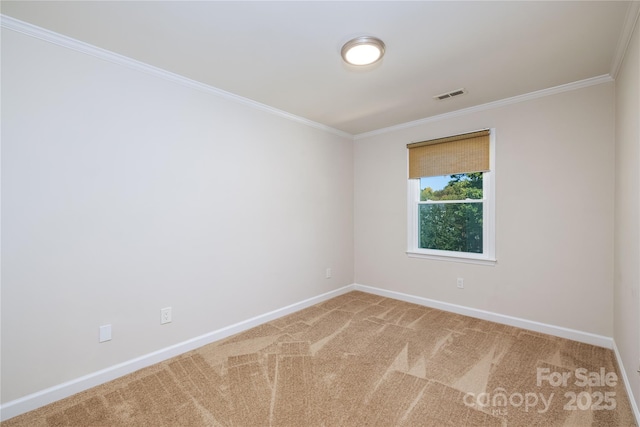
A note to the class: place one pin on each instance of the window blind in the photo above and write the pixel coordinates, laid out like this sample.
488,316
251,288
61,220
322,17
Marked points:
465,153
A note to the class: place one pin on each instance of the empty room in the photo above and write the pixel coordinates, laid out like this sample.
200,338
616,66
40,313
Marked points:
320,213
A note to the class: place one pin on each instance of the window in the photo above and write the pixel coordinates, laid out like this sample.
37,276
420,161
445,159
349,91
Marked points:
451,198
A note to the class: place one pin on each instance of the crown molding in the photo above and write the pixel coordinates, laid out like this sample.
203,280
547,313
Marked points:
606,78
633,14
91,50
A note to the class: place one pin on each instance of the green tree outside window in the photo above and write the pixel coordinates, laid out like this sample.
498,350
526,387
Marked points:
452,226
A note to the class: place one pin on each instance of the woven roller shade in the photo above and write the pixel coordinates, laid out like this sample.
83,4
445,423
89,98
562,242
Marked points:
464,153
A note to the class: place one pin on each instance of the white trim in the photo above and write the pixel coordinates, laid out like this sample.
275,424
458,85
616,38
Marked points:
632,16
88,49
490,209
69,388
451,202
465,259
413,191
558,331
413,251
491,105
488,255
627,384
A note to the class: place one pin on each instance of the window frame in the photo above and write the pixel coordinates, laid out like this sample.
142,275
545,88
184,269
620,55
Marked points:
487,257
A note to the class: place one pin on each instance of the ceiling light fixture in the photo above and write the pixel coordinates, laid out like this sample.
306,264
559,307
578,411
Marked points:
363,50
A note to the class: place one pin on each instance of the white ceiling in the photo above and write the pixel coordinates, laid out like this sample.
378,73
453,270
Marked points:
287,54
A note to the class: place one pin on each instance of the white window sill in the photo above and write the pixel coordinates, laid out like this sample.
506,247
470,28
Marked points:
453,258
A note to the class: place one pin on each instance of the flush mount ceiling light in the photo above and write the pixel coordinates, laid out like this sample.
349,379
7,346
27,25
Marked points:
364,50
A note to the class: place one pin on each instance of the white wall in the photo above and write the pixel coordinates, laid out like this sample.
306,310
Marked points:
627,214
123,193
554,203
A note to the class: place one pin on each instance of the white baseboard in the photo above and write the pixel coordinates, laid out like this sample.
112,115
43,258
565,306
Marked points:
627,384
69,388
558,331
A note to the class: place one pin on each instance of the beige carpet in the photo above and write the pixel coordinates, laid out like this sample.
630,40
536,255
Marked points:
363,360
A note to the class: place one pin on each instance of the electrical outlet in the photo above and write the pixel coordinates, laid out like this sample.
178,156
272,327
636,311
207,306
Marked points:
165,315
105,333
460,283
327,273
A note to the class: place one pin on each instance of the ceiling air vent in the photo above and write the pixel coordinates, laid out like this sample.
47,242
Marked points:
451,94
